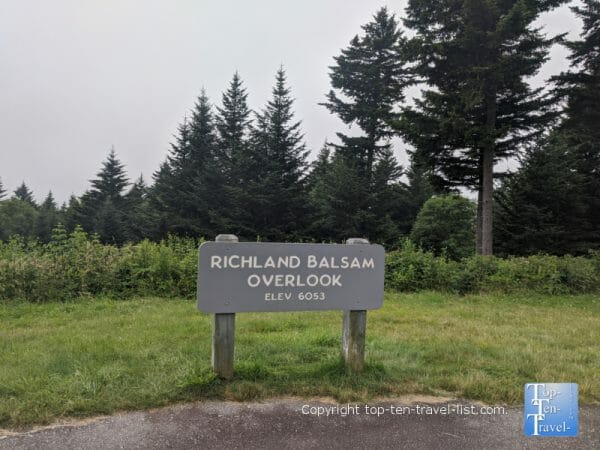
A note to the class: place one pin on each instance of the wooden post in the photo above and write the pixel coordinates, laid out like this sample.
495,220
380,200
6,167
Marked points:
353,331
223,333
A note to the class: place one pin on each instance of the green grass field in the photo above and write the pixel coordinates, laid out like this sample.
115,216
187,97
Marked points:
99,356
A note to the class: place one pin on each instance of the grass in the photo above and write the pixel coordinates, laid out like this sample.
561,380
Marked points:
99,356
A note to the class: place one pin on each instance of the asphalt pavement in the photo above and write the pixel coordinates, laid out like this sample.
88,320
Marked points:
307,424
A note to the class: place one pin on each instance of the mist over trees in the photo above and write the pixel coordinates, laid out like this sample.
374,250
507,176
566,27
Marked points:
235,169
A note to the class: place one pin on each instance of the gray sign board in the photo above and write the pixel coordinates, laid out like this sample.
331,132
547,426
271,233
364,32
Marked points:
247,276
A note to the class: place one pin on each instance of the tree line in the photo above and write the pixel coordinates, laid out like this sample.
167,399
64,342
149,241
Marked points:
234,170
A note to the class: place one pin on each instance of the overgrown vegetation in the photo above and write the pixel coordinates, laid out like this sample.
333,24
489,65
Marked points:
411,269
76,264
96,357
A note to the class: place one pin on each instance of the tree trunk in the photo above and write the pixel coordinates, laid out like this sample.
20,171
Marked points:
478,225
479,217
487,197
487,175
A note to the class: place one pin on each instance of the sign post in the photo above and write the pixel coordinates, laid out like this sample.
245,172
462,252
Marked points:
238,277
223,332
354,328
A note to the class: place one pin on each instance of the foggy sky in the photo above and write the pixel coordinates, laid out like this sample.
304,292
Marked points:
77,77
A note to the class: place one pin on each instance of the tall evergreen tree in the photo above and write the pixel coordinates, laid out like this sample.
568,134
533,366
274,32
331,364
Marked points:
234,164
71,213
418,191
280,155
340,199
344,205
542,207
2,190
102,208
369,79
579,131
112,179
368,82
24,194
184,191
47,218
138,217
316,182
161,193
476,56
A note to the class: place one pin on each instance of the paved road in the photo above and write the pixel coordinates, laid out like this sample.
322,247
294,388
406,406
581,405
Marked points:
282,424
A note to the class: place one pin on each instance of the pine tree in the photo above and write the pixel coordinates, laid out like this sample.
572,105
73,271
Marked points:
111,181
71,213
184,190
579,131
339,198
234,164
279,154
24,194
47,219
542,207
387,200
2,190
316,182
102,208
368,82
418,190
369,78
161,195
138,218
476,56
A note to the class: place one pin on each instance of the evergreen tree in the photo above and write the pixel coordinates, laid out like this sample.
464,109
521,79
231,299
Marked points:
418,191
184,190
161,193
111,181
205,175
279,154
542,207
476,56
47,218
24,194
71,213
138,217
387,201
17,217
317,180
2,190
102,208
339,197
369,78
234,165
579,131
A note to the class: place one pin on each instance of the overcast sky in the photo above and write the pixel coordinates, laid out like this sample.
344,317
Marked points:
77,77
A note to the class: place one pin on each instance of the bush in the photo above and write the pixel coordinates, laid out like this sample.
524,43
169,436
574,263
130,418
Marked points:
413,269
76,264
446,225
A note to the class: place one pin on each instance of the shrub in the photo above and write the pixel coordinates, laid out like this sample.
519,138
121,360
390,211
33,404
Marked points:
446,225
413,269
76,264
